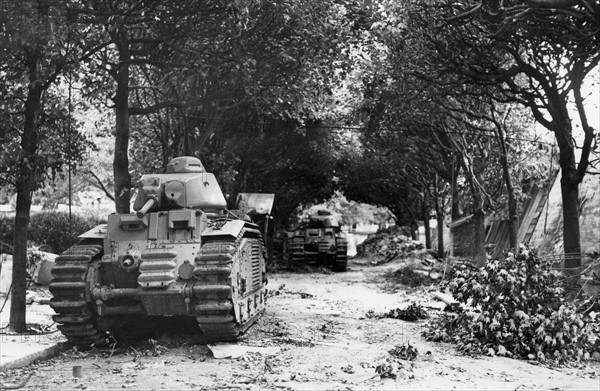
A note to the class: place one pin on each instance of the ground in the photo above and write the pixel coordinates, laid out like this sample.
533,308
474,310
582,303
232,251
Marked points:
314,335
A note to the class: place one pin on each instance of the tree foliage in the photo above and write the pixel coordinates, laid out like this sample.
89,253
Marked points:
529,53
36,50
261,91
262,84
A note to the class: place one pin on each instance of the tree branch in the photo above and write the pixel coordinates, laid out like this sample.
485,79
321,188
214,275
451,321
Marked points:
97,182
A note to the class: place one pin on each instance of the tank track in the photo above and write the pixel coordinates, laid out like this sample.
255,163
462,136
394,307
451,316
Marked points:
70,301
296,250
215,315
341,255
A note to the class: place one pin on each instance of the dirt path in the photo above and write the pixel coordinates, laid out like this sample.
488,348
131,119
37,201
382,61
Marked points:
314,336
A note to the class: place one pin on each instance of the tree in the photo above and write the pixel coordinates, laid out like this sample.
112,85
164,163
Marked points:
36,51
187,66
130,32
436,125
537,54
262,76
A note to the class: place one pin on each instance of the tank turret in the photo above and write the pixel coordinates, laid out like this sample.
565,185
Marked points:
322,219
178,255
186,184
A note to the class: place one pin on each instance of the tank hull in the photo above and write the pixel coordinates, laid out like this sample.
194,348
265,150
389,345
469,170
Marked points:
321,246
171,263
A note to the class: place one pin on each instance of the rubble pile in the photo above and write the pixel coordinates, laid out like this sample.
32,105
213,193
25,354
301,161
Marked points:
388,244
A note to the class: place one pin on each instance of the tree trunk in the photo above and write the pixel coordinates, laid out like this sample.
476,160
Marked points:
121,158
439,214
479,253
455,207
478,246
571,235
425,211
513,219
24,188
17,319
569,186
414,230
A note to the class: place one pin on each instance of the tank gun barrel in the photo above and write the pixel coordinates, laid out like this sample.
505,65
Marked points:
149,204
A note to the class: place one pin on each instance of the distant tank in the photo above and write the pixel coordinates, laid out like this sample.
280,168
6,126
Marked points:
319,240
178,255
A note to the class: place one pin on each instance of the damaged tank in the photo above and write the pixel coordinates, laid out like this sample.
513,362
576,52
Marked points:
319,240
180,254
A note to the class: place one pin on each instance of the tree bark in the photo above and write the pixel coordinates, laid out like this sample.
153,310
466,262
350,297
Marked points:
571,235
121,158
569,186
414,230
513,219
24,188
478,247
479,253
425,211
439,214
455,211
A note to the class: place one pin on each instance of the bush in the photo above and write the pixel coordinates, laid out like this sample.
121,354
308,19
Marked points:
6,247
49,230
7,225
52,229
523,313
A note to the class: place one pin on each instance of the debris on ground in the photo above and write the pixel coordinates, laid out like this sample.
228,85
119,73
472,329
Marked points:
277,291
451,304
237,351
404,352
348,369
281,290
387,370
388,244
419,268
150,348
412,313
411,277
30,297
16,385
303,295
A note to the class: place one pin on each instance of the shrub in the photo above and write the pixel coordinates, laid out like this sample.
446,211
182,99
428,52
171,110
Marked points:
6,247
7,225
47,229
522,312
52,229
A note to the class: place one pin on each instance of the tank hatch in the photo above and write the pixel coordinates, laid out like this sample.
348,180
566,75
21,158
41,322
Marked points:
185,164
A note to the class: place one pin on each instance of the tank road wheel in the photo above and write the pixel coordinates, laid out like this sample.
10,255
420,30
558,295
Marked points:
296,249
219,260
341,255
70,300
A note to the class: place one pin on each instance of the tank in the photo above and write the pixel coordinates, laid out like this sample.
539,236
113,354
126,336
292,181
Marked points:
319,240
179,254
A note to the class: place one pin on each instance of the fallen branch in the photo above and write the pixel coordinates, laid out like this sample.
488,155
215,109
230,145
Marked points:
14,386
445,298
